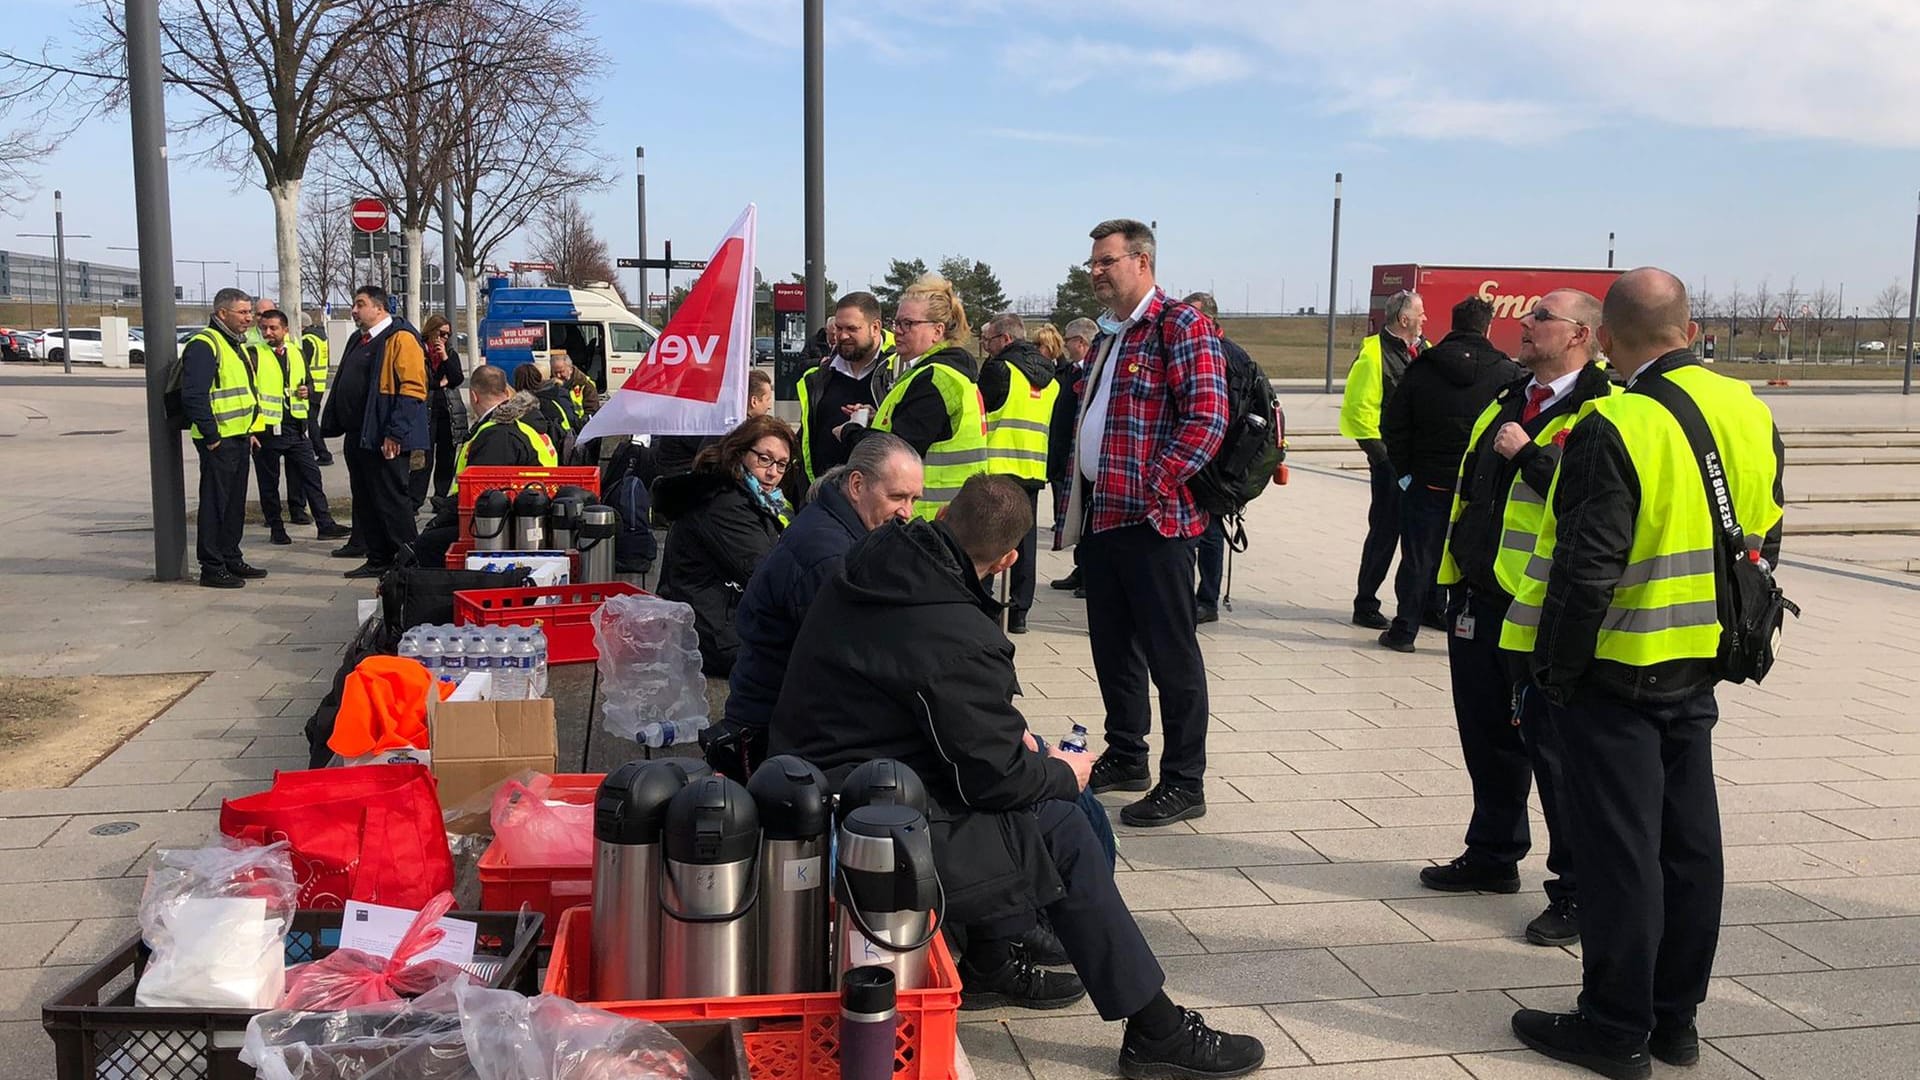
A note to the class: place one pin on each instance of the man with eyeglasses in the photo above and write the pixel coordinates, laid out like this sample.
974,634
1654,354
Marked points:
1155,412
844,382
1371,381
1506,737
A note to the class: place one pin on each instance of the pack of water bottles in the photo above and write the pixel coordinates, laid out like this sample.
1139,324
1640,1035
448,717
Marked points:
515,657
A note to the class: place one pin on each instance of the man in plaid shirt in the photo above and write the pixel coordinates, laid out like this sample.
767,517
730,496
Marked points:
1153,411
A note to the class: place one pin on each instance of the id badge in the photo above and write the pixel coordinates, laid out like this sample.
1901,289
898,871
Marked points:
1463,627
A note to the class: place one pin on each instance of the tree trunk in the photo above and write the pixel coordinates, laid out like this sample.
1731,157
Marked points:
286,240
472,276
414,236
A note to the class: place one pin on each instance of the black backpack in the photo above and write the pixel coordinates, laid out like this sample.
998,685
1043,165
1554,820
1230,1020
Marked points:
1250,453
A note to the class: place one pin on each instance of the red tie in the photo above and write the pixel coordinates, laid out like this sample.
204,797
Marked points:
1536,397
365,337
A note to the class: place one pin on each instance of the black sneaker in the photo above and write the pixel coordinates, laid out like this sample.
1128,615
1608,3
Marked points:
279,536
333,530
1205,613
1164,805
1019,984
247,570
369,569
1041,946
1079,592
1071,581
349,550
299,517
220,578
1466,874
1195,1050
1016,622
1112,774
1558,925
1396,644
1674,1041
1572,1038
324,459
1372,620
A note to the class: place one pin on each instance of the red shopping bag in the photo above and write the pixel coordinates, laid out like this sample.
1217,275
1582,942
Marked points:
371,833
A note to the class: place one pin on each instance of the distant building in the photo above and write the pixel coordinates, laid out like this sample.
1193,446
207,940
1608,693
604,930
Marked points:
29,278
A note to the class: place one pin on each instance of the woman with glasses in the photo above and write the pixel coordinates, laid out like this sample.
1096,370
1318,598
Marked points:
444,377
725,516
935,405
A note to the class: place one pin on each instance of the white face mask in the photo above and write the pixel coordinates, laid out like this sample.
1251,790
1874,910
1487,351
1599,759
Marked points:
1109,324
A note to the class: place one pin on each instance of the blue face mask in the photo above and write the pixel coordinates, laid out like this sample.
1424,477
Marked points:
1109,324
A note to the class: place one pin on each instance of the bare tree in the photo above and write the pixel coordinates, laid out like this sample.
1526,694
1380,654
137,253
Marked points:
1760,303
326,248
1734,307
565,238
1825,304
1890,307
1703,304
1792,299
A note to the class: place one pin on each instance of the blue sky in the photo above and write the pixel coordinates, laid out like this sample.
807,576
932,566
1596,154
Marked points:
1724,139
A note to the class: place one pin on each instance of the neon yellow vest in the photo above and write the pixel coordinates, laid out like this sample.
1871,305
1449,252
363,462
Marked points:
316,359
1663,607
276,387
948,464
1017,430
542,448
1360,402
1520,523
805,388
231,395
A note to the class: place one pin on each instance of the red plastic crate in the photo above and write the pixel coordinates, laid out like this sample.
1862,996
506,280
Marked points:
565,611
475,479
797,1036
549,889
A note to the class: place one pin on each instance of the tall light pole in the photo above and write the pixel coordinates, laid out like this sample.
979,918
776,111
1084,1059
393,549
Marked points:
1906,378
59,238
1609,251
1333,280
446,257
640,191
153,208
203,264
814,106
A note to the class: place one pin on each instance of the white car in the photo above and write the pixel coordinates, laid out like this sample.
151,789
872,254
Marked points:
1873,346
86,346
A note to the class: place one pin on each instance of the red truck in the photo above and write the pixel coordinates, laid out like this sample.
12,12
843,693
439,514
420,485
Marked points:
1512,290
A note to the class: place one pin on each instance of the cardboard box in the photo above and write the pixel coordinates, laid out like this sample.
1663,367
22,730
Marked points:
476,744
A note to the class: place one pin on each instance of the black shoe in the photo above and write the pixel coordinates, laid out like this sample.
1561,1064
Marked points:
1372,620
1019,984
1071,581
1674,1041
369,569
1465,874
1434,622
1572,1038
1112,774
1387,639
1079,592
1558,925
324,459
1164,805
1041,946
1195,1050
1205,613
1016,622
246,570
220,578
279,536
350,551
333,530
299,517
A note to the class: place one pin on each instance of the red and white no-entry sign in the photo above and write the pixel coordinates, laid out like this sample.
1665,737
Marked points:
369,215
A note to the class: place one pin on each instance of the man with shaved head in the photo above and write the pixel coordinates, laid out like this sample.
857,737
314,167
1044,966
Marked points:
1499,501
1621,612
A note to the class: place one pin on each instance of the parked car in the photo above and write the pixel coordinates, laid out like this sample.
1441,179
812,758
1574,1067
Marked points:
12,345
1873,346
86,345
763,350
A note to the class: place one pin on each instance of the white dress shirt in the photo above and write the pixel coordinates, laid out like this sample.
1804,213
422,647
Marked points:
1093,424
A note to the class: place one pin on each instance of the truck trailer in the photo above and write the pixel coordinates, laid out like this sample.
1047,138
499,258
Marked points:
589,323
1512,290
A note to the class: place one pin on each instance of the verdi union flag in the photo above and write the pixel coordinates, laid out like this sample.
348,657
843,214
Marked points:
694,379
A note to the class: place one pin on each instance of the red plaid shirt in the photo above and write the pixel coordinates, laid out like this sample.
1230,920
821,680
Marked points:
1165,419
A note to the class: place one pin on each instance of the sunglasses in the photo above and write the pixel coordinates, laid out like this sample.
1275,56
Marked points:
1542,315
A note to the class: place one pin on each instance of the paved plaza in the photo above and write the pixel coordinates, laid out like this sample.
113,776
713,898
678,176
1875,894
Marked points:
1292,910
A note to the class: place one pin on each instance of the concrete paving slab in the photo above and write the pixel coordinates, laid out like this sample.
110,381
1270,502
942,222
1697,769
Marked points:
1470,916
991,1052
1220,850
1216,980
1297,926
1319,786
1167,890
1275,816
1391,1027
1855,943
1374,845
1731,1008
1440,967
1321,882
95,800
1749,950
1854,1054
1527,1065
1870,857
28,944
1088,1048
1747,903
1894,823
1862,897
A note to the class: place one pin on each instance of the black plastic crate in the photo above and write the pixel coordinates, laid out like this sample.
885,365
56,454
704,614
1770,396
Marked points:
100,1034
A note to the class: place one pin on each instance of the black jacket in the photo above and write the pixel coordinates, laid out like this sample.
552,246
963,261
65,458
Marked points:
1594,508
504,443
1395,355
901,656
1066,411
719,534
921,417
1428,417
995,382
1487,478
810,552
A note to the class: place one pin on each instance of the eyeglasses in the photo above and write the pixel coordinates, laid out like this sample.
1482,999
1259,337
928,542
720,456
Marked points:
908,324
1106,262
1540,315
768,461
444,334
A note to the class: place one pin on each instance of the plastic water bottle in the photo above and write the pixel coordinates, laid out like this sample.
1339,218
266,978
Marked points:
1075,743
537,673
669,733
521,644
479,657
509,681
453,654
432,651
410,645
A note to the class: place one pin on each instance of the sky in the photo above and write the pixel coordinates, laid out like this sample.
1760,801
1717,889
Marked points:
1727,140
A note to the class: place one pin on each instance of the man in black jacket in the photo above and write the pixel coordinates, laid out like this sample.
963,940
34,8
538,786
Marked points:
1004,342
1425,426
509,429
218,361
900,657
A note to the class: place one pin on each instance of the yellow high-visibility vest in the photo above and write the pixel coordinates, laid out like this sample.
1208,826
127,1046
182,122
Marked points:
231,396
317,359
947,464
542,448
1017,430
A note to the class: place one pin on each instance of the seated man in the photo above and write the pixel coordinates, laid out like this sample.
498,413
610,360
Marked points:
901,656
508,429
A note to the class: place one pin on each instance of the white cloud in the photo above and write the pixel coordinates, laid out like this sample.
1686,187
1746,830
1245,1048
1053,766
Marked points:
1049,138
1079,62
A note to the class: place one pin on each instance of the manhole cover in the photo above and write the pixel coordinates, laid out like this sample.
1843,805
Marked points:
114,828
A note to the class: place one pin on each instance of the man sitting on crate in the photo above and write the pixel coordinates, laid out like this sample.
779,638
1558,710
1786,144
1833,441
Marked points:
901,656
508,429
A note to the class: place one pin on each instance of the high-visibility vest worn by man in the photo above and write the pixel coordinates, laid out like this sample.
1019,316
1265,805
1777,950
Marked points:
824,389
314,342
936,408
235,406
505,438
1019,411
271,389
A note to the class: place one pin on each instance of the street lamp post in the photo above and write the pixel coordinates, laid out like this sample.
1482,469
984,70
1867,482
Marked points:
203,264
59,238
1333,281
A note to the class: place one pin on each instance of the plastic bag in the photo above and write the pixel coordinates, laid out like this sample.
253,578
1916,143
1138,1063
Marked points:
649,664
216,919
345,978
392,1040
533,830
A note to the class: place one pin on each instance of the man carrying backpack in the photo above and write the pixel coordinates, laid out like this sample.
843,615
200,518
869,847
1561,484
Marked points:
1212,546
1154,411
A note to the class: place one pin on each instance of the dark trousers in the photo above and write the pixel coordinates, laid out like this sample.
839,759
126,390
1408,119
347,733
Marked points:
1211,555
223,502
304,485
1108,951
1503,758
1062,492
382,508
1027,567
1383,535
1423,535
442,451
1139,622
320,451
1646,823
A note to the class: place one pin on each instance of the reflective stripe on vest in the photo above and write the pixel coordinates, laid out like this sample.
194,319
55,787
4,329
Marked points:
1017,431
1360,402
804,390
231,396
542,449
275,385
948,464
1664,605
316,357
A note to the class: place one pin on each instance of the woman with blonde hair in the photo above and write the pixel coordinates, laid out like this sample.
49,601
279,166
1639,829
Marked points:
1046,337
935,405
